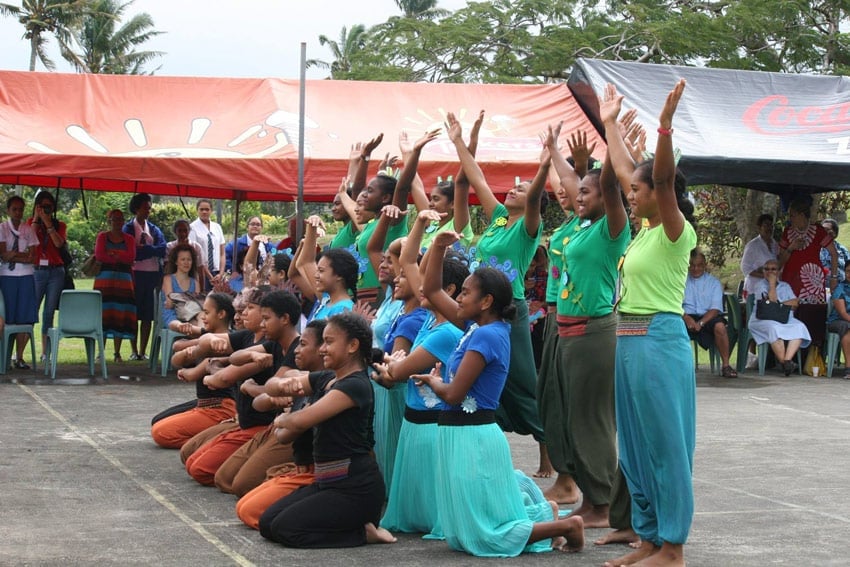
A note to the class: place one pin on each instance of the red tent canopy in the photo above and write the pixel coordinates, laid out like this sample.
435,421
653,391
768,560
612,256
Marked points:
228,138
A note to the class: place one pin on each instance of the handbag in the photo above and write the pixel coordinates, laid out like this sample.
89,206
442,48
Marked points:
91,267
67,262
767,310
814,360
187,305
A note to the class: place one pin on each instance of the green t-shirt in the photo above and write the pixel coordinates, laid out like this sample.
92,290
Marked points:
557,241
368,278
589,277
345,237
433,229
509,250
654,271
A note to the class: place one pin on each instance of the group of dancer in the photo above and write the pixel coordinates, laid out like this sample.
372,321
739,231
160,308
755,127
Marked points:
386,411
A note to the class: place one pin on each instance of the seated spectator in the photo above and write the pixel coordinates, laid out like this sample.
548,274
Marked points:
839,318
181,236
773,332
255,227
831,227
703,307
758,251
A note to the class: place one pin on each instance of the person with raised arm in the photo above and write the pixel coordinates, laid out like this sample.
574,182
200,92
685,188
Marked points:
342,507
654,373
412,492
508,244
479,503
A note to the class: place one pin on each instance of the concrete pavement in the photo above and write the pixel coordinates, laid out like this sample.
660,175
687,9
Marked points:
81,483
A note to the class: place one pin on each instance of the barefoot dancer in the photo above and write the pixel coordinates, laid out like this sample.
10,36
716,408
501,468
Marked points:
343,506
479,503
655,386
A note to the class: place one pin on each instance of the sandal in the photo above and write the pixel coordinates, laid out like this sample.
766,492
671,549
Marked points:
21,365
728,372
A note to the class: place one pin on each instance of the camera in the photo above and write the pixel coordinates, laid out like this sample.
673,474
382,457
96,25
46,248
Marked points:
47,209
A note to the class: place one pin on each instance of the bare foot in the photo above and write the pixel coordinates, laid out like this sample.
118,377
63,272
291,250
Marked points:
377,534
192,374
559,542
619,536
574,533
564,491
593,516
668,555
545,470
645,550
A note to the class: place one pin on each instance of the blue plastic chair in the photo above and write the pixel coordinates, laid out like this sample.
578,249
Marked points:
162,339
832,343
7,344
80,317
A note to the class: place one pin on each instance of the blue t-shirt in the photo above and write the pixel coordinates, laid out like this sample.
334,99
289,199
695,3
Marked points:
406,325
440,341
323,308
384,317
493,342
842,291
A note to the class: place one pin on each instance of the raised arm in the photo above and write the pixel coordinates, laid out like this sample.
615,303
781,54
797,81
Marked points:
470,167
532,219
349,204
664,167
362,169
612,196
461,200
568,178
621,160
412,245
306,262
390,214
432,280
410,153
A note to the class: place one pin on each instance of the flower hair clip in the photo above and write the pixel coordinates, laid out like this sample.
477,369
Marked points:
440,179
390,172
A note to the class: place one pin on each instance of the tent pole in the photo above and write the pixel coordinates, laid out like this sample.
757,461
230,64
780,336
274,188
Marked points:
236,231
299,204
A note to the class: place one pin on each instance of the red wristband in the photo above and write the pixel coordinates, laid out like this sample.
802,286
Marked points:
665,131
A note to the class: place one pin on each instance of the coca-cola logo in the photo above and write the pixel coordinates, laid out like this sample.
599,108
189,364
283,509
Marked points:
773,116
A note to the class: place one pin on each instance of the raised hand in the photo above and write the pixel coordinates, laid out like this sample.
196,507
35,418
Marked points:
356,152
428,215
388,161
446,239
427,137
393,212
476,126
665,119
610,104
577,142
453,127
343,186
370,146
315,222
363,308
627,121
405,146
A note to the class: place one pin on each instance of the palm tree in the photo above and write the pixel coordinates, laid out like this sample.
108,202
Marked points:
420,9
105,49
40,17
348,44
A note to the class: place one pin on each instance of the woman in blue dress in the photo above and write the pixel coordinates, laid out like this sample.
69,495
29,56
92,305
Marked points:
479,502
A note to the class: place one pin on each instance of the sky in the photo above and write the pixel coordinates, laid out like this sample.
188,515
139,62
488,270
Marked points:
230,38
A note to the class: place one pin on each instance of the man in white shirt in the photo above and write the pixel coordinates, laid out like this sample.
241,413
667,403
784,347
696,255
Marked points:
209,236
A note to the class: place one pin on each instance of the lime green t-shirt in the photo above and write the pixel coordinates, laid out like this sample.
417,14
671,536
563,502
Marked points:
589,276
654,271
368,278
557,241
509,250
433,229
345,237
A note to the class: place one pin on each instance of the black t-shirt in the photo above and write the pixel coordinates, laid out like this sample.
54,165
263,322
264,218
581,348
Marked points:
203,392
302,447
346,434
248,416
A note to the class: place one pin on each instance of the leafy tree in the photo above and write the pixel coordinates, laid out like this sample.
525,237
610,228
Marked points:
107,48
42,17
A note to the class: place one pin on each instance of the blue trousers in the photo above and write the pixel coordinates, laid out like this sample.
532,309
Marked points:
655,396
48,287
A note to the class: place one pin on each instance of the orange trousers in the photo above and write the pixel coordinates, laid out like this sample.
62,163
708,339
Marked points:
283,480
246,469
189,447
173,431
204,462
